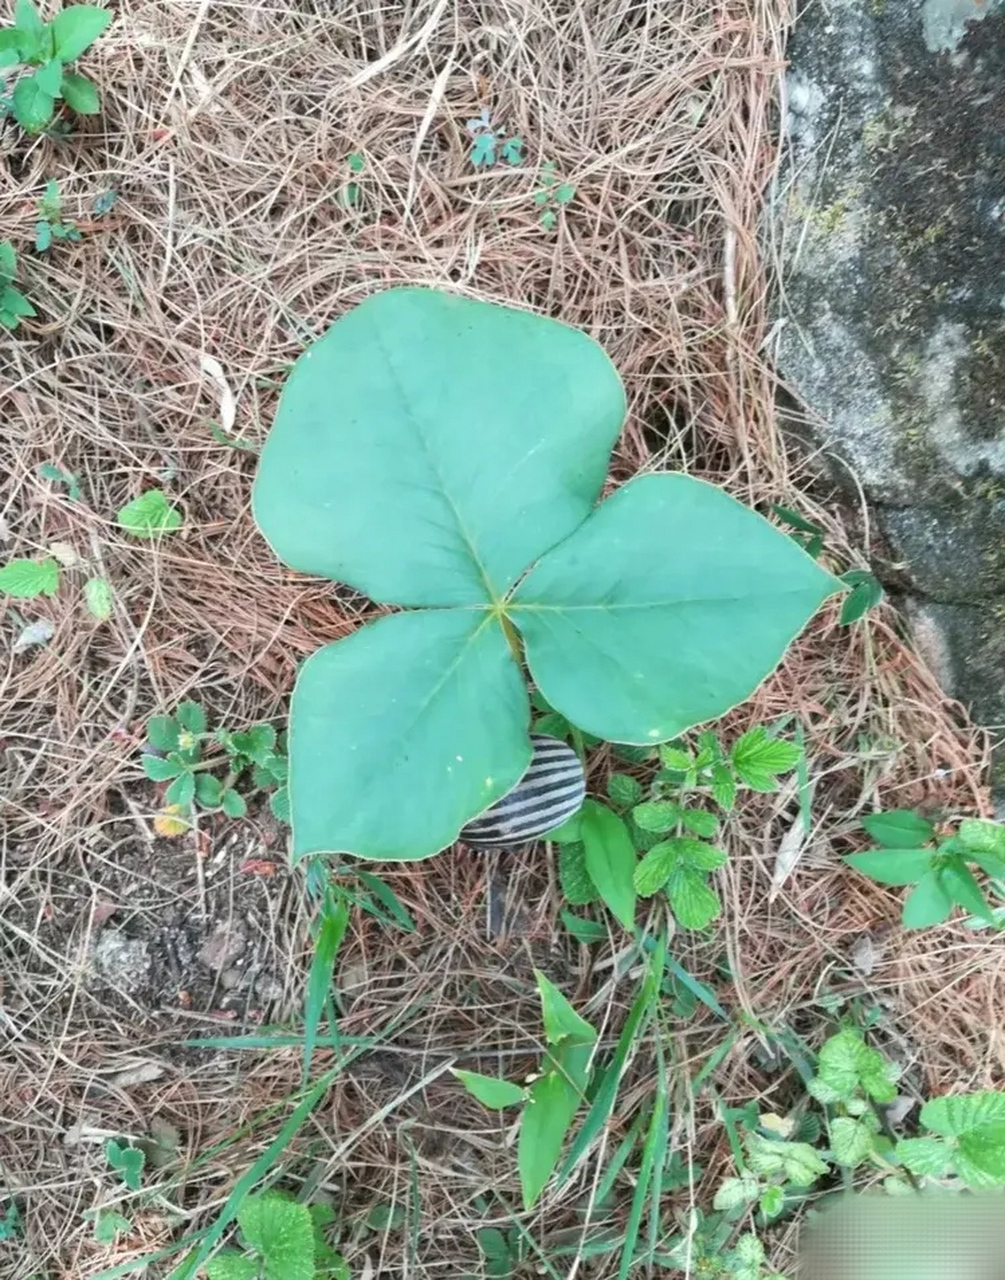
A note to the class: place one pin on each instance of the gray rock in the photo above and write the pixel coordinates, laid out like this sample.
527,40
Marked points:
224,945
123,962
891,222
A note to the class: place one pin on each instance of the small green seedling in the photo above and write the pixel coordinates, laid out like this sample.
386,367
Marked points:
865,589
912,852
637,618
50,225
671,826
352,191
149,515
104,202
175,755
490,143
11,1225
551,1101
280,1240
552,196
109,1224
127,1162
41,52
49,471
13,304
33,579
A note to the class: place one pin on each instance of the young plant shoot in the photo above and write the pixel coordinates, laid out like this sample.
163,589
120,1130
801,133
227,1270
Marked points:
446,456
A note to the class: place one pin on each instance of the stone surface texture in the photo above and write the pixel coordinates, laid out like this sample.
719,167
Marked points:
891,220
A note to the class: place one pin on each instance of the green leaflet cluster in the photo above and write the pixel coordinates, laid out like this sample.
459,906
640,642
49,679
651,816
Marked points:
446,456
912,852
42,50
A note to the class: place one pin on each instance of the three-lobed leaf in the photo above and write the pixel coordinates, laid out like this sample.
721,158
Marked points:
434,477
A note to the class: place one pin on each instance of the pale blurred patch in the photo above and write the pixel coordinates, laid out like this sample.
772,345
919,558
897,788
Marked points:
927,1237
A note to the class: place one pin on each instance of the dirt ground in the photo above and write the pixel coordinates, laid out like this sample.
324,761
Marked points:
226,132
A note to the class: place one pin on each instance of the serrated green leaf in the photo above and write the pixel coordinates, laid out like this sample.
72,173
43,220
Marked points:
29,579
231,1265
758,759
80,94
771,1202
899,829
798,1161
678,759
490,1091
279,804
851,1141
127,1162
926,1157
192,717
282,1233
208,790
98,598
181,792
951,1117
162,733
927,904
736,1191
610,859
657,816
76,28
108,1224
577,886
694,902
158,770
847,1064
257,743
653,872
624,790
978,835
892,866
700,823
233,804
149,515
723,787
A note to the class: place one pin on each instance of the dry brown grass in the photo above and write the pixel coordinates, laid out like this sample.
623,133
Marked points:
226,130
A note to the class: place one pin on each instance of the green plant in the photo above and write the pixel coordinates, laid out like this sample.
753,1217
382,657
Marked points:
149,515
49,471
552,196
13,304
175,746
352,191
914,853
456,475
489,143
670,824
866,590
127,1162
280,1240
11,1225
49,47
550,1103
50,225
109,1224
31,579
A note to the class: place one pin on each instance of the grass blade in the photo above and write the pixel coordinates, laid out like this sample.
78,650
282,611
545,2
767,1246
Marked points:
331,930
654,1153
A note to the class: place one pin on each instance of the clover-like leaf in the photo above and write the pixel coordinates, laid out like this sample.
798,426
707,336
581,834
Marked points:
445,455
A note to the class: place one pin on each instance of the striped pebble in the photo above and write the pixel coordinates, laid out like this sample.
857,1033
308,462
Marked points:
548,794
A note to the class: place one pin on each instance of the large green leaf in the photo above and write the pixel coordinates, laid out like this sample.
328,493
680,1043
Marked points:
666,608
403,732
429,447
